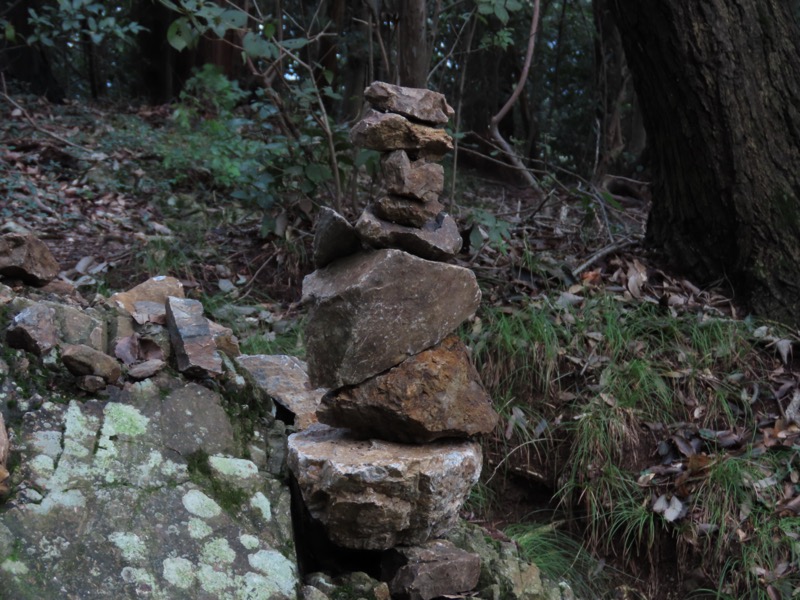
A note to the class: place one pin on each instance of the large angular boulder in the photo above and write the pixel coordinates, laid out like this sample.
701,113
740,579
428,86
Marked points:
436,240
386,132
373,495
429,571
418,179
27,258
414,103
192,341
434,394
371,311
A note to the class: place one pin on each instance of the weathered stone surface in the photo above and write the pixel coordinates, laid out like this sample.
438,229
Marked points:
406,211
372,494
145,311
34,329
428,571
368,315
415,103
334,238
386,132
156,289
284,379
418,179
146,369
436,240
78,326
27,258
4,448
192,342
91,383
193,419
434,394
103,509
224,339
84,360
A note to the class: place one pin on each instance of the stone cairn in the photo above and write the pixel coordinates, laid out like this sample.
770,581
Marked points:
392,460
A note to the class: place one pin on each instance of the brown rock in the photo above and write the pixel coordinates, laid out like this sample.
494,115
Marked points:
284,379
436,568
225,341
83,360
372,310
27,258
406,211
371,494
415,103
145,311
386,132
191,338
436,240
434,394
334,238
34,329
146,369
91,383
418,179
81,326
155,289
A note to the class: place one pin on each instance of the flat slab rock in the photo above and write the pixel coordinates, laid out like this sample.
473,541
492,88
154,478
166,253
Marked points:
27,258
386,132
104,508
373,494
438,239
284,379
434,394
372,310
415,103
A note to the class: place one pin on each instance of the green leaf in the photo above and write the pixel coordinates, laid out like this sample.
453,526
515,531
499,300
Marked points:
235,19
180,34
317,173
485,8
513,5
10,32
294,44
268,30
501,13
257,47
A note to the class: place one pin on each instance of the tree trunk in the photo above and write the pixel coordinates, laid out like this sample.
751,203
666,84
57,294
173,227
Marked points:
412,44
719,86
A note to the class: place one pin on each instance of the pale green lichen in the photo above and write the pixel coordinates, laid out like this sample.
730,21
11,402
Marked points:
123,419
14,567
217,551
249,541
200,505
43,466
212,580
179,572
198,529
233,467
262,503
281,571
47,442
79,431
141,576
130,544
61,499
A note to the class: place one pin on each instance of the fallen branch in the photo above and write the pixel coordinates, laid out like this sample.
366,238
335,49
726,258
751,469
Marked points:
610,249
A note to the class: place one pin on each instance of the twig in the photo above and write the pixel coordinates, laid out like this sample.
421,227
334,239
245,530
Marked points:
30,120
610,249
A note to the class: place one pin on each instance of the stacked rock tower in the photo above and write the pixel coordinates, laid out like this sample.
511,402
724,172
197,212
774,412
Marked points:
393,459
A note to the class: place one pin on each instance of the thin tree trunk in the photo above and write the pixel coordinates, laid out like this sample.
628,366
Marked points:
412,44
719,86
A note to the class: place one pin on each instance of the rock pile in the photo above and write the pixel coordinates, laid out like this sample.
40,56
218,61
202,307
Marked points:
393,460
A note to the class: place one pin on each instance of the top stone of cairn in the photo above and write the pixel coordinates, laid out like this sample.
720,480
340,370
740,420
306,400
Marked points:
416,104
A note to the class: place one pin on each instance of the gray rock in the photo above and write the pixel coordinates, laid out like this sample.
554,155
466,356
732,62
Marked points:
418,179
81,326
27,258
434,569
434,394
368,315
91,383
386,132
84,360
415,103
437,240
33,329
406,211
192,419
146,369
371,494
284,379
308,592
334,238
192,342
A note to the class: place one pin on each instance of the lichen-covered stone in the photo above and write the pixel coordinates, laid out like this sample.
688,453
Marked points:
193,419
416,103
371,311
372,494
434,394
386,132
436,240
27,258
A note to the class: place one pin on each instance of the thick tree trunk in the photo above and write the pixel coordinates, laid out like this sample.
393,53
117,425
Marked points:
719,86
413,44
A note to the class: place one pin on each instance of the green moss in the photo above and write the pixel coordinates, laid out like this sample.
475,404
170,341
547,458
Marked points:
228,497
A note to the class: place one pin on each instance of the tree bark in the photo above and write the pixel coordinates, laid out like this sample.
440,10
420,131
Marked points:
413,44
719,86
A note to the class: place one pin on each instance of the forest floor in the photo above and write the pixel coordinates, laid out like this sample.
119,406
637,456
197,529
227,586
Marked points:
645,418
